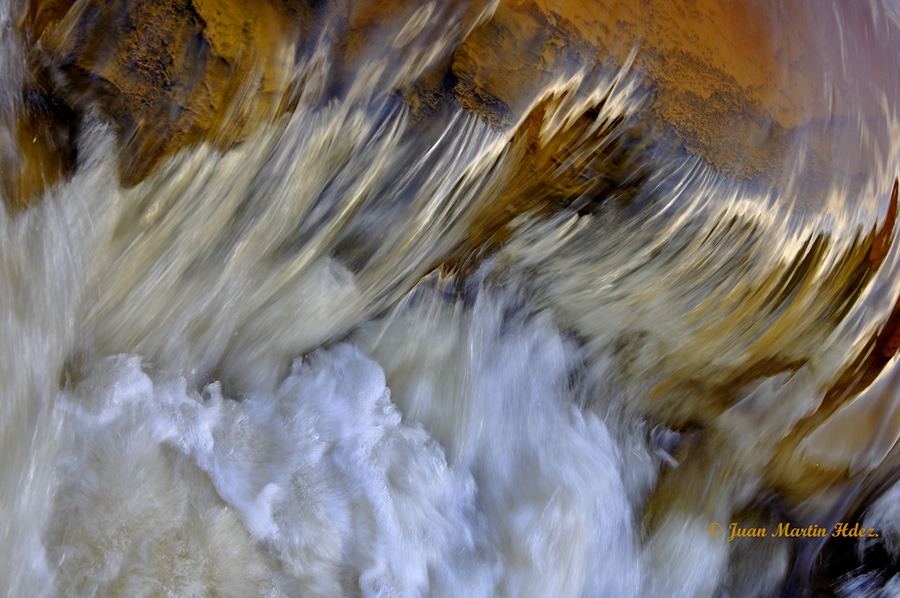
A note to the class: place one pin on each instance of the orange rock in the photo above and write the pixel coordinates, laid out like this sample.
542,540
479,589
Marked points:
741,83
170,73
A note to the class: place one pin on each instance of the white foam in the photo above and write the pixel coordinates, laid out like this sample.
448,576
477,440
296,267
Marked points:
318,487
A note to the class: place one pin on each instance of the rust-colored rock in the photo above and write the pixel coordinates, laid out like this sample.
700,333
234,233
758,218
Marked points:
170,73
45,149
741,83
737,82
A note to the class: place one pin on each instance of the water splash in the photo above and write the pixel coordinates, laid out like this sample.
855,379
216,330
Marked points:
290,368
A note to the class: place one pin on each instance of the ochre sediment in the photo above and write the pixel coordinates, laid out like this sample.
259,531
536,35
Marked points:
733,81
170,73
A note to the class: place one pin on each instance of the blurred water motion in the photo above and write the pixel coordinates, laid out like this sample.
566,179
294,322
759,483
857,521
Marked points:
463,299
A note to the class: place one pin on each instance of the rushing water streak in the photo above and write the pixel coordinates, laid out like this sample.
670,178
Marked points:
287,369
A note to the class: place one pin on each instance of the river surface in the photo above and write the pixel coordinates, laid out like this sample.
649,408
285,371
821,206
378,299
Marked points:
258,373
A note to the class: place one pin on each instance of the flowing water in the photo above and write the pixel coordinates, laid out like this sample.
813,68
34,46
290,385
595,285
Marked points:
247,375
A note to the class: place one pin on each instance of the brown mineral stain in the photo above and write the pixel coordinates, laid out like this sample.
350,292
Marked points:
169,73
736,81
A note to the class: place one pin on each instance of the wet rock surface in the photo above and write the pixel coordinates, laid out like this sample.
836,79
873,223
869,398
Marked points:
738,83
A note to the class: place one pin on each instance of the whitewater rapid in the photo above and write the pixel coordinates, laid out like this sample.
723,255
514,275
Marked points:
252,374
